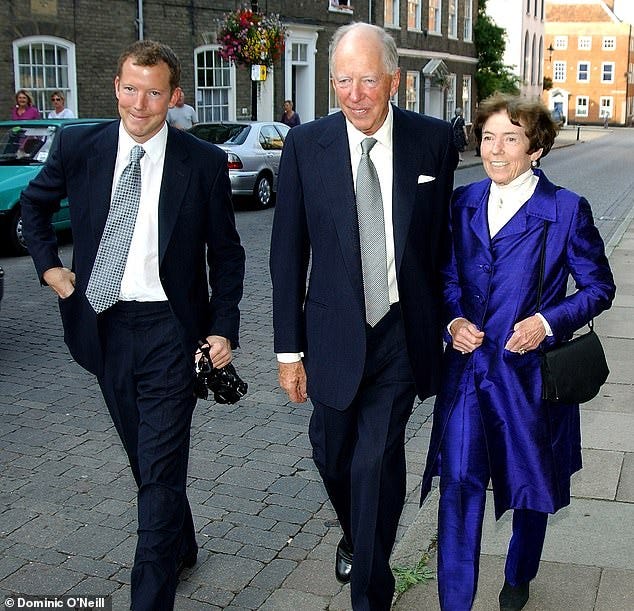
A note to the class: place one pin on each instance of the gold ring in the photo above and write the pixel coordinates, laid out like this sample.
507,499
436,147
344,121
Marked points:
522,351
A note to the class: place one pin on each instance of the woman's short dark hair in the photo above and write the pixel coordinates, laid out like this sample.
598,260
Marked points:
532,115
151,53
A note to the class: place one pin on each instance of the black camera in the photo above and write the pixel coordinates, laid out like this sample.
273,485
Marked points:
224,383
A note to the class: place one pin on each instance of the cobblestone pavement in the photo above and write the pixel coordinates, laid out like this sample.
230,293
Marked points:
68,512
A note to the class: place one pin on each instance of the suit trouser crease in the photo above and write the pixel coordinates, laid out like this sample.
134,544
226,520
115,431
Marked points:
464,477
147,386
360,455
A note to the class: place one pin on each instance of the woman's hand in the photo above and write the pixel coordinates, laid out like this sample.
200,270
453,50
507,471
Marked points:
466,337
527,335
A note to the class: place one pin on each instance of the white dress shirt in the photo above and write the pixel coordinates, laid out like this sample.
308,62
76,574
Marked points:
506,200
381,156
140,280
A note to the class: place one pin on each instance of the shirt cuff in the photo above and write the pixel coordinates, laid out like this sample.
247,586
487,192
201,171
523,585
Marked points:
289,357
549,331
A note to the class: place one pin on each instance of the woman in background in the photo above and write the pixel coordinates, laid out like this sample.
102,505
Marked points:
490,422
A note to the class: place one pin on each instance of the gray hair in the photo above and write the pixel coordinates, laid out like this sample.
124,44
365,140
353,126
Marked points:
390,52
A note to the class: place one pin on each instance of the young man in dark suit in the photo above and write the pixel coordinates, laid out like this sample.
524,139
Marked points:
365,336
137,298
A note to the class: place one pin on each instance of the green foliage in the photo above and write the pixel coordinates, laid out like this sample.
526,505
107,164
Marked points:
491,75
548,83
406,577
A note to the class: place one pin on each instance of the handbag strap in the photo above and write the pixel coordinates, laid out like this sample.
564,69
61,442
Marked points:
542,265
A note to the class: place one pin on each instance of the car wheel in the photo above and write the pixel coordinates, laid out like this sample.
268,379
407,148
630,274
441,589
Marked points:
263,191
16,241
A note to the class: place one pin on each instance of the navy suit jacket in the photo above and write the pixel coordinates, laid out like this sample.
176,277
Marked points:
316,221
196,229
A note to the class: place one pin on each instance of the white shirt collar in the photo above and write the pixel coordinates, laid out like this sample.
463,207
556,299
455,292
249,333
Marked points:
383,135
517,189
154,148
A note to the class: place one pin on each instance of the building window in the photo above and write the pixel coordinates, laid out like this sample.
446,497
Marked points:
607,72
561,43
450,105
391,13
414,17
340,6
605,107
466,97
214,86
584,43
542,10
609,43
559,71
528,7
412,89
43,64
467,33
581,109
452,24
527,59
583,72
435,14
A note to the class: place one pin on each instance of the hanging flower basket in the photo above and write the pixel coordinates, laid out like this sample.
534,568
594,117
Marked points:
250,38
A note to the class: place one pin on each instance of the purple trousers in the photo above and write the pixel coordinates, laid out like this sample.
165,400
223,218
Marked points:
464,476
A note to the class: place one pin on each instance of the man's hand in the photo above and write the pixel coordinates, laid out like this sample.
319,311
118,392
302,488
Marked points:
466,337
292,377
219,351
61,280
527,335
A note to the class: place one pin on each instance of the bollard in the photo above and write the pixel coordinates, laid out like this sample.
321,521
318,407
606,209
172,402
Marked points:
578,130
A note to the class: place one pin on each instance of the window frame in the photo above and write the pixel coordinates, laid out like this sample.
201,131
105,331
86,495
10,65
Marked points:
609,106
412,104
204,110
467,30
394,14
560,43
561,67
608,47
452,24
578,105
603,71
417,25
585,72
436,30
42,94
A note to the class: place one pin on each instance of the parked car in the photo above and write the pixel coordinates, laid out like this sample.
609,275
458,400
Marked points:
24,147
254,150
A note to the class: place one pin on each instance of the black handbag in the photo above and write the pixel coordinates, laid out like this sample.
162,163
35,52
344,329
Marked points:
574,371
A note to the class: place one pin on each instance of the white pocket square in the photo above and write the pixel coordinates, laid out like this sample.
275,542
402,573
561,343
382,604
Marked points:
424,178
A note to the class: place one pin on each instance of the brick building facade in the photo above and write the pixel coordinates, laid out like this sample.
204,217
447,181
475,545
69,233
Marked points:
73,45
589,59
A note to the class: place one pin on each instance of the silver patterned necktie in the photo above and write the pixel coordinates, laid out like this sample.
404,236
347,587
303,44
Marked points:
372,237
104,284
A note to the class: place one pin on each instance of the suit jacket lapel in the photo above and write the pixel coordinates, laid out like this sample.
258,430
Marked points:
176,172
100,165
404,180
335,162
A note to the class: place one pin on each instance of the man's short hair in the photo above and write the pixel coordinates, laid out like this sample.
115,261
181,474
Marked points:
151,53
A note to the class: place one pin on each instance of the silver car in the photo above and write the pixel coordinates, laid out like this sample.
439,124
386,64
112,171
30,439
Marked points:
254,149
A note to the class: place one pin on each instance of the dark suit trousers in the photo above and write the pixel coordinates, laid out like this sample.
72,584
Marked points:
464,478
360,454
148,387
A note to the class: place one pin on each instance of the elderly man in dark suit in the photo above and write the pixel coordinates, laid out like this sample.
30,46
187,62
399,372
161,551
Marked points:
150,210
365,336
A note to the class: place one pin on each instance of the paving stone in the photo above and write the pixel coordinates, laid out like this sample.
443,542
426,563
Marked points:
273,574
286,599
37,578
616,590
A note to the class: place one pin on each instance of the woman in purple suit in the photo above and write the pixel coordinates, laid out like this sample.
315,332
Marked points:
490,422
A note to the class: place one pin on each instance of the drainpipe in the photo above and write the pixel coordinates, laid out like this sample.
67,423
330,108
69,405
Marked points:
369,11
139,21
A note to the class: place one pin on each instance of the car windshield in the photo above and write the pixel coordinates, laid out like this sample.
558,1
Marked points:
22,145
222,133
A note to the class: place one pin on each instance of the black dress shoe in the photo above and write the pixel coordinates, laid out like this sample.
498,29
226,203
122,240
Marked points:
343,561
513,598
186,562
